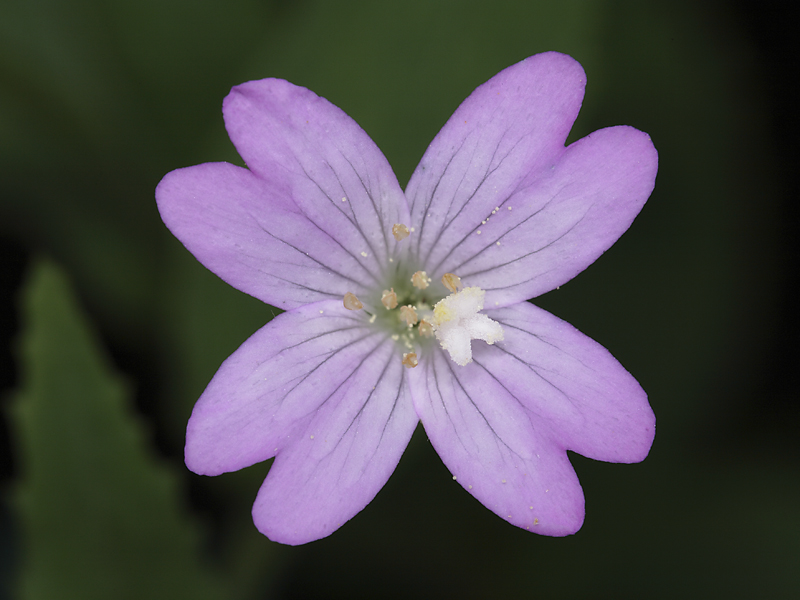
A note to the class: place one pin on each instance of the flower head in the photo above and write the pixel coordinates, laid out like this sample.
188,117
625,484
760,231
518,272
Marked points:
403,307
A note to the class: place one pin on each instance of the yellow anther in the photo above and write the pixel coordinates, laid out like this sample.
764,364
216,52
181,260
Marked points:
452,282
425,329
351,302
410,360
420,280
400,231
408,314
389,299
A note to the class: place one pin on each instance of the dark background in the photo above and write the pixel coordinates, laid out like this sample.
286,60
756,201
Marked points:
99,99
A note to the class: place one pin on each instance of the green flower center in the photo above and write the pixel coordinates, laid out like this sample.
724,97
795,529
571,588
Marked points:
415,309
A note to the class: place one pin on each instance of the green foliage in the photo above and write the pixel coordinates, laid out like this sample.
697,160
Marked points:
100,514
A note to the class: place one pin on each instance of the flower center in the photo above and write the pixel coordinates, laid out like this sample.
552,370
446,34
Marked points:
414,313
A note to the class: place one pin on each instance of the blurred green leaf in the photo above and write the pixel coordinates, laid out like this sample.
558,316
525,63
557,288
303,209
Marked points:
101,516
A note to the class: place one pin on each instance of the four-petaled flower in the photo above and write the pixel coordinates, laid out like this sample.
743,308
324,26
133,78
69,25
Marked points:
378,329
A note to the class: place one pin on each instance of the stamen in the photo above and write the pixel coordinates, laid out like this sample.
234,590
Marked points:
400,231
420,280
409,314
452,282
351,302
425,329
389,299
410,360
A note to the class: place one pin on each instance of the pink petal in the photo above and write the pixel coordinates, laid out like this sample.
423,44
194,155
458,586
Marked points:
342,457
513,125
321,389
302,143
503,423
273,383
485,437
570,385
561,221
249,233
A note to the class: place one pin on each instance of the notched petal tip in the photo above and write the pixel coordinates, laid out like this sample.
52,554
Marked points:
342,452
510,127
488,440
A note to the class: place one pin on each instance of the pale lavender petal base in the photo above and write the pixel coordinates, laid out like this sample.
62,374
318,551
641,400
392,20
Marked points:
503,423
324,393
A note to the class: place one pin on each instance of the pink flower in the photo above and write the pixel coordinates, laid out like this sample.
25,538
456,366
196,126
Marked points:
334,393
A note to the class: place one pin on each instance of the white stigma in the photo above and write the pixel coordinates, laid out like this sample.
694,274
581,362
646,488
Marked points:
457,321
